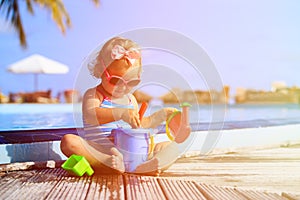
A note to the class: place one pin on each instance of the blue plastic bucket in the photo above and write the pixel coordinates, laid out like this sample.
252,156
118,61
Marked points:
133,144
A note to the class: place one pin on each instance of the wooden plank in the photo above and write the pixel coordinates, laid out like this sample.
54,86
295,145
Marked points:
10,183
142,187
191,190
39,185
168,189
269,169
214,193
58,184
251,194
154,187
97,188
291,196
70,187
34,184
106,187
176,189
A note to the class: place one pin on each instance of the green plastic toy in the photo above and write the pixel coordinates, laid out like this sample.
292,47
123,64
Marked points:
77,165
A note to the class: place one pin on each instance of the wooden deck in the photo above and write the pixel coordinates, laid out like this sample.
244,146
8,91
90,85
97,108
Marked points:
266,173
57,184
272,169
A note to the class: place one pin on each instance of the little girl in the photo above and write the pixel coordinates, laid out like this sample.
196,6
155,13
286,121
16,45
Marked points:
109,105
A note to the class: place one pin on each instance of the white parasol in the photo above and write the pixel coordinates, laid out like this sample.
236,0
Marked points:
37,64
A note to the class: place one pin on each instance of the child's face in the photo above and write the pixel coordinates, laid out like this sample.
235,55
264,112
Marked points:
119,78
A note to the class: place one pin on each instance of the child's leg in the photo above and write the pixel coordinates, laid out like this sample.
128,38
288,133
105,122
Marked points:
107,161
164,155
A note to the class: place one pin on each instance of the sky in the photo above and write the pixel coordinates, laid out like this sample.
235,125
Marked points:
251,43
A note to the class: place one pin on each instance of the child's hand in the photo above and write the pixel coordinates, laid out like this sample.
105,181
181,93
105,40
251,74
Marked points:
158,117
131,116
168,112
165,113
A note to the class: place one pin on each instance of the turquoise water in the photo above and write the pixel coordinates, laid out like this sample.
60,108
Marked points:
35,116
43,116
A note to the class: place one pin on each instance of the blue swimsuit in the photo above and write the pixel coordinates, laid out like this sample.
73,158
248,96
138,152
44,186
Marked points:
96,133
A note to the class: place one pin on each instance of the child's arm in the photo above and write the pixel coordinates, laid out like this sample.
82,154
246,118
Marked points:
157,118
95,115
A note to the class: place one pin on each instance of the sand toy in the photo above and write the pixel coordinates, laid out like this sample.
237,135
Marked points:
77,165
177,125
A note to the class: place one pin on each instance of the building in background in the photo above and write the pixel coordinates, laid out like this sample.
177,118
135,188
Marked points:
279,94
177,95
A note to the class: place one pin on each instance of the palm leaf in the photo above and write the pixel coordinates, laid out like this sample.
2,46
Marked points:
58,12
11,7
96,2
29,6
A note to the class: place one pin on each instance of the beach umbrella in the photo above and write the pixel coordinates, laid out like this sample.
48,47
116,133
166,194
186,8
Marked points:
37,64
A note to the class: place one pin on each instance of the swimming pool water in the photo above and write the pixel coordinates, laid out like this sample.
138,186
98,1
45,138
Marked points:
42,116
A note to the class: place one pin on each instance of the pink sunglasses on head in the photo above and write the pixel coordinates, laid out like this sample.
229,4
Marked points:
119,81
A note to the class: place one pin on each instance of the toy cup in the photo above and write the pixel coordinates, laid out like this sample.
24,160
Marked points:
133,144
77,165
177,125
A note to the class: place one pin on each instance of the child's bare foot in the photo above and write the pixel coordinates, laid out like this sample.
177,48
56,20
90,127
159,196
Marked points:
149,167
117,162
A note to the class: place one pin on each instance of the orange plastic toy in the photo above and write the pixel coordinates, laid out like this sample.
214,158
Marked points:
177,125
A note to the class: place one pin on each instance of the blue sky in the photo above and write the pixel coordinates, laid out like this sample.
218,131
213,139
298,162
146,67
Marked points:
252,43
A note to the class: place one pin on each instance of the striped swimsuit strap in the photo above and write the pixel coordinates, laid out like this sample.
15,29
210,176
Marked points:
107,102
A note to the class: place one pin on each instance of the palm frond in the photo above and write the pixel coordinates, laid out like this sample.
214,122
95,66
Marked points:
11,8
96,2
58,12
29,6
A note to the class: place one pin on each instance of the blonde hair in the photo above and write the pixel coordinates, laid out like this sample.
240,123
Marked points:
103,58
